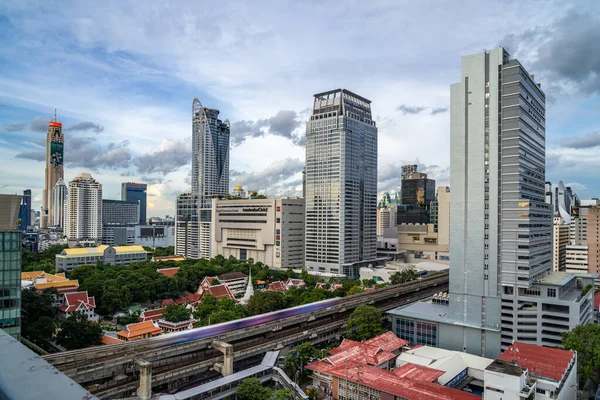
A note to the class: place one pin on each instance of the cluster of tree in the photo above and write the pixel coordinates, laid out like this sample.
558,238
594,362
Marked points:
403,276
585,340
364,323
176,313
304,354
77,332
130,318
161,251
252,389
212,311
43,260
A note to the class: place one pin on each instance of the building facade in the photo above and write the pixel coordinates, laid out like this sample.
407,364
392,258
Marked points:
341,184
418,192
70,259
59,204
84,211
210,179
386,218
25,211
560,241
55,141
119,219
10,265
136,192
267,230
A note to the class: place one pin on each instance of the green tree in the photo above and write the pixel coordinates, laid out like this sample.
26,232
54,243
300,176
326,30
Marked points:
128,318
77,332
587,289
252,389
368,283
41,261
355,290
176,313
312,394
264,302
290,366
41,330
282,394
403,276
585,340
364,323
38,314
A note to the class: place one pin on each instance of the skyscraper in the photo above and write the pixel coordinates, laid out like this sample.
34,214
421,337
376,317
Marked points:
59,203
210,179
119,218
25,211
10,265
341,184
417,194
502,287
84,211
408,169
54,169
131,191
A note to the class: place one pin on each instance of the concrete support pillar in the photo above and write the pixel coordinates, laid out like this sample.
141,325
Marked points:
144,392
227,367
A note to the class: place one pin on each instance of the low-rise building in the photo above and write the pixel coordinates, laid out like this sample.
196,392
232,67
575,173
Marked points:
270,231
41,280
170,327
151,315
576,259
78,302
423,241
221,291
168,258
139,330
237,281
69,259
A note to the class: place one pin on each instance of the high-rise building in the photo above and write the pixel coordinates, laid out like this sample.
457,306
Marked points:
341,184
84,211
59,203
560,241
502,288
386,218
564,200
549,194
136,192
10,265
54,169
417,194
210,179
443,214
408,169
119,219
25,211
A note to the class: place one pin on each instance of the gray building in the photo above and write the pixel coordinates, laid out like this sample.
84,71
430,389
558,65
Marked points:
10,265
501,284
210,179
341,184
118,218
136,192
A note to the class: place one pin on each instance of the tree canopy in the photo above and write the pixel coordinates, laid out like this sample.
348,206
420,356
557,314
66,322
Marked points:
403,276
364,323
77,332
585,340
38,315
252,389
176,313
41,261
212,311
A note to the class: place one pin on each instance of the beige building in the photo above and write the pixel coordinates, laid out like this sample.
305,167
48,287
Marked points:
84,211
70,259
270,231
576,259
560,240
386,218
443,214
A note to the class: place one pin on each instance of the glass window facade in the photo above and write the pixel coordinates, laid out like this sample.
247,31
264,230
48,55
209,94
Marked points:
10,282
416,332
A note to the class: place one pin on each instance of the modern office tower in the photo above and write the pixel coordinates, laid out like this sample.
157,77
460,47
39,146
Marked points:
417,194
564,199
560,241
10,265
210,179
25,211
341,184
119,219
501,285
549,194
54,169
131,191
408,169
84,212
386,218
304,182
593,239
59,204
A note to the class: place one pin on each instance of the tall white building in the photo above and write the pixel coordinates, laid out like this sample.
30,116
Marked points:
341,184
386,218
210,179
59,203
84,211
560,241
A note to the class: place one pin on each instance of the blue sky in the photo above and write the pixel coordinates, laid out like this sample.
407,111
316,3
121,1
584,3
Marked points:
123,75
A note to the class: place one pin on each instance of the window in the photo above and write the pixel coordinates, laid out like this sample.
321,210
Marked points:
540,391
551,292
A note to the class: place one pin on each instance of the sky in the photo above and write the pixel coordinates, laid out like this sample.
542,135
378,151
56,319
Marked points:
122,76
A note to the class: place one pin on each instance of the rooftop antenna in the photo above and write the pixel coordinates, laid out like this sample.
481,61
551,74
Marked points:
55,115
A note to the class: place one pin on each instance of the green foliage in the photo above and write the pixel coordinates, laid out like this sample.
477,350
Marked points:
355,290
282,394
176,313
312,394
212,311
77,332
161,251
36,313
587,289
403,276
364,323
585,340
264,302
368,283
41,261
42,329
127,319
252,389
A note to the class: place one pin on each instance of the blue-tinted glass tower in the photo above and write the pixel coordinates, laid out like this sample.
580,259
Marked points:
135,192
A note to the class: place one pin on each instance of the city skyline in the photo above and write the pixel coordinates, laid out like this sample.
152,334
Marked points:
139,130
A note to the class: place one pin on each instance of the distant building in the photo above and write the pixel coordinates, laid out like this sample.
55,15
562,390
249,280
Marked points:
55,142
407,170
560,241
69,259
238,191
423,242
59,204
386,218
236,281
25,211
84,211
10,265
136,192
417,194
139,330
78,302
270,231
117,216
170,272
41,280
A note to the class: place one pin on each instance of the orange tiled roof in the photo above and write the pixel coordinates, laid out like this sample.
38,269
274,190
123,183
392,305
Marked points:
135,331
170,272
110,340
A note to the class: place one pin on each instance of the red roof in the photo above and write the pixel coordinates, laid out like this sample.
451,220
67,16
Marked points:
545,362
151,315
219,291
190,298
166,302
596,301
75,299
388,342
170,272
110,340
295,282
277,286
207,281
418,372
137,330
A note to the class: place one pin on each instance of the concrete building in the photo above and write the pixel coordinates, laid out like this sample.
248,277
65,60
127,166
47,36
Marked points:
267,230
502,288
10,265
84,211
239,191
422,241
417,194
560,241
563,197
78,302
119,218
442,223
59,204
408,169
341,184
210,180
549,195
70,259
576,259
25,211
55,141
593,239
386,218
136,192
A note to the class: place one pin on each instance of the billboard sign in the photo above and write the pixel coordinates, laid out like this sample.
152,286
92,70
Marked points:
56,153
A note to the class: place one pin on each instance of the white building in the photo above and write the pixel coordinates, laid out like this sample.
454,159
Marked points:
560,241
576,259
386,218
59,203
70,259
84,211
267,230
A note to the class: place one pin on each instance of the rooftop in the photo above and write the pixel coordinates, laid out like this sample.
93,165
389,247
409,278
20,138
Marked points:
99,251
556,278
542,362
170,272
168,258
505,367
133,331
230,276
